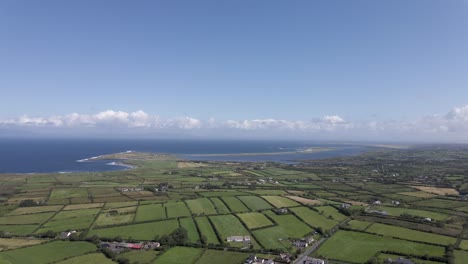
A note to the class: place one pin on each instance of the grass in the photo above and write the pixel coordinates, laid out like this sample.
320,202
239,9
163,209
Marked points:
25,219
139,256
330,211
146,231
207,230
220,206
255,220
460,256
235,205
201,206
272,237
12,243
65,193
464,244
358,225
105,219
119,204
228,225
292,227
179,255
397,211
409,234
88,258
358,247
313,218
191,228
304,201
177,209
70,220
35,210
83,206
47,253
18,229
279,201
150,212
225,257
255,203
220,193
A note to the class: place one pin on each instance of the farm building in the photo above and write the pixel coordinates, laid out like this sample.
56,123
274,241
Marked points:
313,261
399,260
238,239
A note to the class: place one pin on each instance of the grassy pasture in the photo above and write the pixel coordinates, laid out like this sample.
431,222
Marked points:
191,228
105,219
206,230
70,220
47,252
201,206
228,225
120,204
145,231
65,193
464,244
419,194
255,220
234,204
219,256
177,209
150,212
139,256
88,258
358,225
255,203
219,205
272,237
330,211
221,193
409,234
18,229
13,243
35,210
279,201
179,255
358,247
25,219
441,203
82,206
460,256
292,227
397,211
304,201
313,218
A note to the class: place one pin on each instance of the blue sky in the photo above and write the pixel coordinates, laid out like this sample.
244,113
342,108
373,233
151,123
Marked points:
296,61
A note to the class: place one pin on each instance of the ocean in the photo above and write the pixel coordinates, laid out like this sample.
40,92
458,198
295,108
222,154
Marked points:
63,155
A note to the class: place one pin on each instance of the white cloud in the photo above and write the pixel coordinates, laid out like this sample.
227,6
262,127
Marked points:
452,125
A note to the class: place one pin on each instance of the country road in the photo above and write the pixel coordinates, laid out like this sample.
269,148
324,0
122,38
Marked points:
306,253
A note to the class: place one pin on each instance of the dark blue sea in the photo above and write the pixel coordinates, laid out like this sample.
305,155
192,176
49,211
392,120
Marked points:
62,155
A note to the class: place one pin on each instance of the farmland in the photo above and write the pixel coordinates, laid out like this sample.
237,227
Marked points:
360,212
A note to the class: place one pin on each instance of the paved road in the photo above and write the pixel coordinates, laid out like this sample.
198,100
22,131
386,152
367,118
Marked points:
304,255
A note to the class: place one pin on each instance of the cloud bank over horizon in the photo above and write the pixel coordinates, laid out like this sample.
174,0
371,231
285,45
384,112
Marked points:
449,127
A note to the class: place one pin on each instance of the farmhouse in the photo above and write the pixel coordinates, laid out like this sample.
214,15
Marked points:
281,211
345,206
67,234
377,202
399,260
252,259
396,202
238,239
304,242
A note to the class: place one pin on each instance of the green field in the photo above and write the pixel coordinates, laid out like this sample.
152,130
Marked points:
235,205
93,258
460,256
191,228
331,212
255,203
313,218
279,201
397,211
206,230
254,220
35,210
18,229
179,255
217,256
150,212
25,219
70,220
177,209
409,234
201,206
220,206
228,225
139,256
358,225
358,247
272,237
291,225
145,231
47,253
